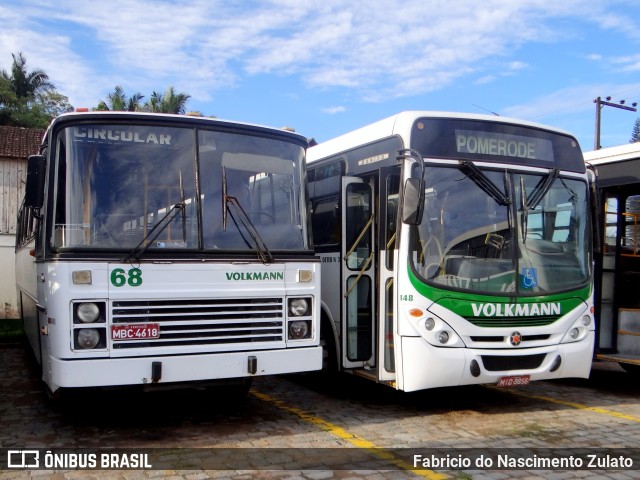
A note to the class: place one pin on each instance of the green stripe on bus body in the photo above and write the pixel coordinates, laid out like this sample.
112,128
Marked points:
494,310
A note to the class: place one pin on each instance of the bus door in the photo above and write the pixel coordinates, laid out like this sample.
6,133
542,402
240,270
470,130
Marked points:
387,246
619,299
358,274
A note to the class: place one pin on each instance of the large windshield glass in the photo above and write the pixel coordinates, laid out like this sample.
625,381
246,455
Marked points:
116,183
470,239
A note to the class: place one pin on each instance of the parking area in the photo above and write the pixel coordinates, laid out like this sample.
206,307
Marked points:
307,427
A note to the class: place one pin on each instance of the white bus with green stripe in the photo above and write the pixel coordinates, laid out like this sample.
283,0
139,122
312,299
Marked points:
456,249
167,251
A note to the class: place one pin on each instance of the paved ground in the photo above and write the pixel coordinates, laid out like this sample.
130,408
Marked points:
301,427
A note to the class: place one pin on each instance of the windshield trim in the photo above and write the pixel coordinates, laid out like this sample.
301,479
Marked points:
513,225
60,156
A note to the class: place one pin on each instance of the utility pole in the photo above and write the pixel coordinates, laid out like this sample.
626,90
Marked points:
601,103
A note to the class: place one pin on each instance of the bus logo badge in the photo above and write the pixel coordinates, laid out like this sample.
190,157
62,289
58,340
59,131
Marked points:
515,339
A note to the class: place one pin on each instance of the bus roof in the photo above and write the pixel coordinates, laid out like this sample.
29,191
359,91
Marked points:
401,124
616,165
174,118
613,154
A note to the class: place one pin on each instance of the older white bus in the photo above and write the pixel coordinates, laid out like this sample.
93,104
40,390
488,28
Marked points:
618,260
456,249
160,250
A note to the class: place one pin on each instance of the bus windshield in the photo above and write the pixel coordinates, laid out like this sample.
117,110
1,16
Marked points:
525,234
152,188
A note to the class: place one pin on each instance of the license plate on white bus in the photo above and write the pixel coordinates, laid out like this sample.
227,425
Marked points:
135,331
514,381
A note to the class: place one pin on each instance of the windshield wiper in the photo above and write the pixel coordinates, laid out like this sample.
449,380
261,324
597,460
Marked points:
163,223
531,202
264,255
483,182
541,189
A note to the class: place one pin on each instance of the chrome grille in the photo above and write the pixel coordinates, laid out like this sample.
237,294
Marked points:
203,321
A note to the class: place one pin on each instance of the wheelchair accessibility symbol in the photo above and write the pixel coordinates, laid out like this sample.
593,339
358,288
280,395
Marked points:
529,278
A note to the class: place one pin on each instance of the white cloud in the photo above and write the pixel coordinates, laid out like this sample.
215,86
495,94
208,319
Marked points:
380,50
334,110
627,64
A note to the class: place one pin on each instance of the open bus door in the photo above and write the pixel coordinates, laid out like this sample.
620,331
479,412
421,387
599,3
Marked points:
618,296
358,274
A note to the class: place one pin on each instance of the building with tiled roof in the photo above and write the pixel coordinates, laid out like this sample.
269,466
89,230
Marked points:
16,144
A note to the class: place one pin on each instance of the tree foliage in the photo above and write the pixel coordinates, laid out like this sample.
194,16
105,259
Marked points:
28,98
118,101
25,84
169,102
635,133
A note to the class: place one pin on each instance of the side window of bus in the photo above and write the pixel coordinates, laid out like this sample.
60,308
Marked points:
631,224
393,191
611,224
326,221
324,189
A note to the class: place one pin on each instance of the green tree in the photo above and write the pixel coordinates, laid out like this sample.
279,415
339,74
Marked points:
635,133
7,97
22,83
169,102
28,98
118,101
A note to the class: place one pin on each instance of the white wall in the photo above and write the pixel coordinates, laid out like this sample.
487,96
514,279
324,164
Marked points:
8,299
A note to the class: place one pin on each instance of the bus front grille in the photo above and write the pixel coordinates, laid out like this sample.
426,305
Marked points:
513,322
495,363
202,321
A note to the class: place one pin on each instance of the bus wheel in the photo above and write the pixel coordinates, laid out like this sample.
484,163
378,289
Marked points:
631,368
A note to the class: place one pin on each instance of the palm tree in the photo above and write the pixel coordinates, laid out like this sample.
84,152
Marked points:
169,102
24,84
118,101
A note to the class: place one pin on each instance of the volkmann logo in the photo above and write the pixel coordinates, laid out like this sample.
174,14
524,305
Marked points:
242,276
515,309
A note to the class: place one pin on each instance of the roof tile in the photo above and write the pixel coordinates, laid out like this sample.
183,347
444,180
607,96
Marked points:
19,142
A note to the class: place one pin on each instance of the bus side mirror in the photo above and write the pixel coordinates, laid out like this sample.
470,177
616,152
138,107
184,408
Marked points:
34,189
413,201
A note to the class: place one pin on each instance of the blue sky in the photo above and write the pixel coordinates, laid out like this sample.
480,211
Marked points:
327,67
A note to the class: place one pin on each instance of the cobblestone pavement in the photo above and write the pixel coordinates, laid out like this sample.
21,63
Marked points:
291,427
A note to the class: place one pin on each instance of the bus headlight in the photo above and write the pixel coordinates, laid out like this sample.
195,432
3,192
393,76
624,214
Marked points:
88,338
439,334
87,312
299,329
298,307
578,330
